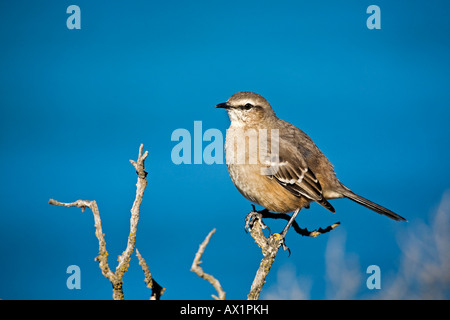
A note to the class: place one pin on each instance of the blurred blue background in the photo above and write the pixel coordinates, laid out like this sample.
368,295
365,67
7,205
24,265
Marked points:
76,104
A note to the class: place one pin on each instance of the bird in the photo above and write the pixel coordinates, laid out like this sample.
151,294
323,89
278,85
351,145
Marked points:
280,168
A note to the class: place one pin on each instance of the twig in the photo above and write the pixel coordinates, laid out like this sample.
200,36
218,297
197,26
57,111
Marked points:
102,257
157,290
199,271
141,184
270,245
301,231
116,278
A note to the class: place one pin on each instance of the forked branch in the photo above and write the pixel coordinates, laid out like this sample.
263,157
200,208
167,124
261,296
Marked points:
116,278
270,245
199,271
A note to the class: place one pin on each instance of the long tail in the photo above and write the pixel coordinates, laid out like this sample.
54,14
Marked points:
371,205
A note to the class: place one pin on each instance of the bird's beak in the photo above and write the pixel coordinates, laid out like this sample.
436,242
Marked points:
223,105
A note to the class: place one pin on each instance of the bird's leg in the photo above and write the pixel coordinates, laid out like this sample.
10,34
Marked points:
286,228
291,221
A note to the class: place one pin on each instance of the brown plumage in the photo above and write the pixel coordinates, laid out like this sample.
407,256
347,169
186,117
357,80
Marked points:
283,181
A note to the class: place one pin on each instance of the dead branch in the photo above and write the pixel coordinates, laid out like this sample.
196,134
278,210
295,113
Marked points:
116,278
141,184
157,290
102,257
301,231
199,271
270,245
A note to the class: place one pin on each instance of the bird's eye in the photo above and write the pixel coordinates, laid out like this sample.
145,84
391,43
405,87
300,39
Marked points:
247,106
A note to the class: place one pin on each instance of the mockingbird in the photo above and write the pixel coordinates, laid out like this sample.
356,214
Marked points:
285,171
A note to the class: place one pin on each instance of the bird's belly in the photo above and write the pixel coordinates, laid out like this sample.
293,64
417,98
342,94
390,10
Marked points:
262,190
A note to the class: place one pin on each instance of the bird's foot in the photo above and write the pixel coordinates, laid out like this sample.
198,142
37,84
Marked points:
285,247
251,217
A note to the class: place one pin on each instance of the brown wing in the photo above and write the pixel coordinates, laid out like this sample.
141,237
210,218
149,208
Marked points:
292,173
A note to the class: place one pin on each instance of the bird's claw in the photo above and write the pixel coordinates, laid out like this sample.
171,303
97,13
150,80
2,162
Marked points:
251,217
285,247
254,215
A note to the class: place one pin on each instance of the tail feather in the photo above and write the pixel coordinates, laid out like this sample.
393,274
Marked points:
371,205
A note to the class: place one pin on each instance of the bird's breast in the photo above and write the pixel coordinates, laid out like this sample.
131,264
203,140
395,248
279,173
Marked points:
245,163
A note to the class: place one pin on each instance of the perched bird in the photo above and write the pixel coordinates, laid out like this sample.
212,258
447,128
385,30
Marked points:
285,171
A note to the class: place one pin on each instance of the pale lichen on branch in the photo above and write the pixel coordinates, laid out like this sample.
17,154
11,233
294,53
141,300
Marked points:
116,278
199,271
270,245
157,290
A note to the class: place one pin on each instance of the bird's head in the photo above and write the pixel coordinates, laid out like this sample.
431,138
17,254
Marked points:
246,107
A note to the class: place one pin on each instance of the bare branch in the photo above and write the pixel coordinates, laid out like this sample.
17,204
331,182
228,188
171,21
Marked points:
270,245
199,271
157,290
139,165
301,231
102,257
116,278
269,248
141,184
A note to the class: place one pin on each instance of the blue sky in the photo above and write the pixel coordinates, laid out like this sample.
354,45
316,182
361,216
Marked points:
76,104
